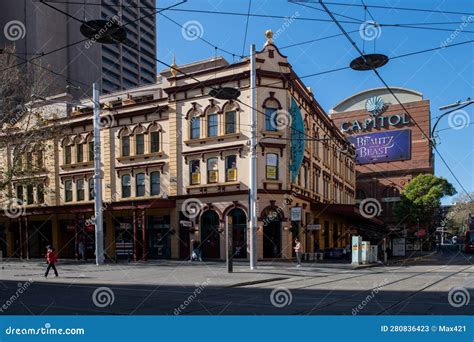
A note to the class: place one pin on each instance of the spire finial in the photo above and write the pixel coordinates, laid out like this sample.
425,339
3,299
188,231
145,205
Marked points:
269,36
174,72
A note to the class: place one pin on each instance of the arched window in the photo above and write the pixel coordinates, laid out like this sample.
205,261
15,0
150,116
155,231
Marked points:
140,185
79,153
139,143
124,135
38,157
360,194
67,154
155,143
271,167
212,125
154,183
90,148
19,192
212,170
126,190
230,122
195,128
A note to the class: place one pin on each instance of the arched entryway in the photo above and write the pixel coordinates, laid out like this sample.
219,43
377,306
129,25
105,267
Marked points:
210,236
237,221
272,234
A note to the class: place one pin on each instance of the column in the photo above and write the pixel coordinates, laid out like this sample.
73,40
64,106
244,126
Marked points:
135,237
144,242
27,239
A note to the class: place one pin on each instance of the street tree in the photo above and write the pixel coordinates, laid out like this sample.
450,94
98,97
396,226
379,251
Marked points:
421,198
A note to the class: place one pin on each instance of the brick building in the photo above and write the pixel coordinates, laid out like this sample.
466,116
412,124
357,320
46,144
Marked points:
390,148
175,169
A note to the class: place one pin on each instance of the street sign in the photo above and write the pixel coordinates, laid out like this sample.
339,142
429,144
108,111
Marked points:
313,227
296,214
186,223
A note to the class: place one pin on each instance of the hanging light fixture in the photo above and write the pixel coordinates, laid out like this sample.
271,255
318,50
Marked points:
369,62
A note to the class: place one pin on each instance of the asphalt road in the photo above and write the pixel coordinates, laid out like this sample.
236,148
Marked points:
442,284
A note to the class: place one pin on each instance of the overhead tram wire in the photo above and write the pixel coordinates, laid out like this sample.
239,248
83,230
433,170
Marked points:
246,28
396,98
398,8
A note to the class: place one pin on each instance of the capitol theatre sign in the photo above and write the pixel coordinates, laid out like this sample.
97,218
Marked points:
375,106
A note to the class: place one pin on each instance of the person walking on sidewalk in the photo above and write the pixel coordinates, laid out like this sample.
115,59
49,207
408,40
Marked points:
298,252
51,259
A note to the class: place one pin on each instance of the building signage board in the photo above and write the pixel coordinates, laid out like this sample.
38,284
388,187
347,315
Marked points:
296,214
382,147
398,247
313,227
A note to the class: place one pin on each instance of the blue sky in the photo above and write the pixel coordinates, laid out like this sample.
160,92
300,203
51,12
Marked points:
443,76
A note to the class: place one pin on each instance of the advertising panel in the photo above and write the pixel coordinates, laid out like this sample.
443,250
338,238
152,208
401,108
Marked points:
382,147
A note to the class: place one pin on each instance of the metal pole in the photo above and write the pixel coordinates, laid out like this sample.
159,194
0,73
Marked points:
253,164
99,229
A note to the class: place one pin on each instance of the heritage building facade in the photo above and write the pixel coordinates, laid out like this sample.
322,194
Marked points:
175,168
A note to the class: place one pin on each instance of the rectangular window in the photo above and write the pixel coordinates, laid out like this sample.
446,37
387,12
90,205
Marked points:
270,119
194,172
212,170
126,190
139,144
212,125
67,154
29,161
271,168
231,168
195,128
154,183
19,192
91,189
80,190
79,153
140,185
91,151
68,191
125,146
155,142
39,160
40,193
29,194
230,123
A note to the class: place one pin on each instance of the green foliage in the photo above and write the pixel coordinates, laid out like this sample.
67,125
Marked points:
422,197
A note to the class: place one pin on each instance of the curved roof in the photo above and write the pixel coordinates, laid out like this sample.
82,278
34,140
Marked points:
357,101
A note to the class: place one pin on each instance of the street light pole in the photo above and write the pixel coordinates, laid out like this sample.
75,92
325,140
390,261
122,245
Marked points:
99,229
456,106
253,164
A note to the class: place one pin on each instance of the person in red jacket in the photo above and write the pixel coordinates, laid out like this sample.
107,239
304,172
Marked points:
51,259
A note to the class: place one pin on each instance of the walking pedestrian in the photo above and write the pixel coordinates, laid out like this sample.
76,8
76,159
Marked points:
298,252
81,250
51,260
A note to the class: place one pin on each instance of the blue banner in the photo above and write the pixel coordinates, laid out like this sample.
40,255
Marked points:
382,147
297,140
237,328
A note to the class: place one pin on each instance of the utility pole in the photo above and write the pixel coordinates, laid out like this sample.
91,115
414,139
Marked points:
99,229
253,164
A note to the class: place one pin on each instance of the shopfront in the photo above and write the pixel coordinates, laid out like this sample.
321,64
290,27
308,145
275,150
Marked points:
159,237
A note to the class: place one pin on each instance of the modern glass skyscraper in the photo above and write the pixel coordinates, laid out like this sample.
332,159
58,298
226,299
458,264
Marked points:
114,66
